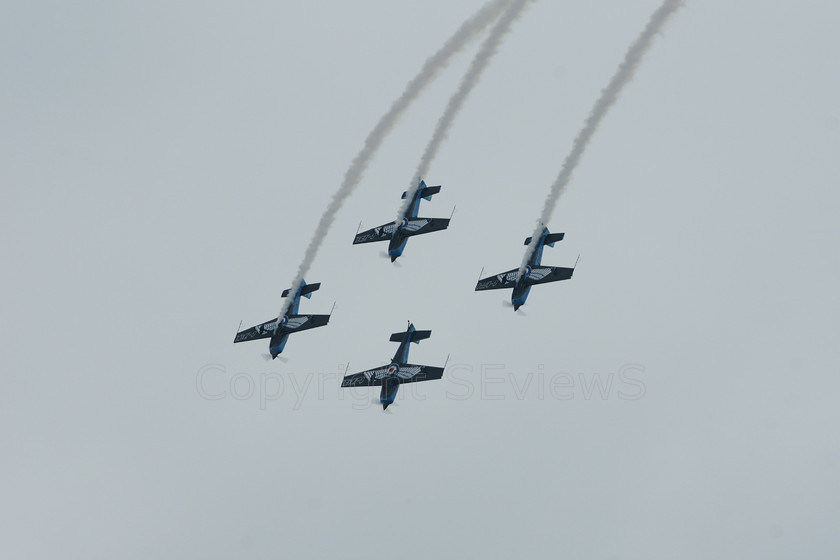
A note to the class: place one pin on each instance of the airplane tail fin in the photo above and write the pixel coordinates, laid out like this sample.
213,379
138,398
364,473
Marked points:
416,336
550,239
306,290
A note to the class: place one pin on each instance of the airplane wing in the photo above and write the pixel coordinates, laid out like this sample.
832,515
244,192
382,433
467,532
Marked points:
410,373
498,282
381,233
297,323
419,226
415,226
264,330
545,274
368,378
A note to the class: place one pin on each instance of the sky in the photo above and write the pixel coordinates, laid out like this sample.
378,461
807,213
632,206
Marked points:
163,166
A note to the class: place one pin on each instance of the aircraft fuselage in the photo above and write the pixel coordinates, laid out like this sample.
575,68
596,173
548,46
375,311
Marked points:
279,339
522,289
391,383
397,244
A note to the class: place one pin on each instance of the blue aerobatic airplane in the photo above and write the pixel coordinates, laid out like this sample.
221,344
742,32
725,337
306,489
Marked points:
279,329
399,371
398,232
521,279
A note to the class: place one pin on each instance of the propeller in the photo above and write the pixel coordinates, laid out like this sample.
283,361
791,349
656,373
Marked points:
519,311
385,255
268,358
375,401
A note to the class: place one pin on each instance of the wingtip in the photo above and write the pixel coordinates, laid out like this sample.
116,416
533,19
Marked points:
480,274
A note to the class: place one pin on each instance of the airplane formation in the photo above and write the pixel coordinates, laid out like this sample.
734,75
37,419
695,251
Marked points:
396,233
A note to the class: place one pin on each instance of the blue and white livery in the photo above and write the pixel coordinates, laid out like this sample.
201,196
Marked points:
278,330
407,225
521,279
399,371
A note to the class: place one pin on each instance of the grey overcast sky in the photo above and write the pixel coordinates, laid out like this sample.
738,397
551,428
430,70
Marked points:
163,165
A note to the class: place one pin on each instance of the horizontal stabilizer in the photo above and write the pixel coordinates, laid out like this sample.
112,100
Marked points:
427,192
550,239
309,288
306,291
416,336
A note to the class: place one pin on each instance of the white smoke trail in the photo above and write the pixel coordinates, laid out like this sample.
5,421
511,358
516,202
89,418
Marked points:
609,95
468,82
488,13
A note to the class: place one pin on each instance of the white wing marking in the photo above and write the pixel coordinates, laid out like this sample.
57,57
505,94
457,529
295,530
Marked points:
539,273
408,372
296,322
414,225
376,373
